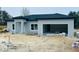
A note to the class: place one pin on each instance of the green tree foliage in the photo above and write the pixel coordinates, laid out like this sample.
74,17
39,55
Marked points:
76,18
3,17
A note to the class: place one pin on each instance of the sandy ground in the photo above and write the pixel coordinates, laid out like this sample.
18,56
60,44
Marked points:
30,43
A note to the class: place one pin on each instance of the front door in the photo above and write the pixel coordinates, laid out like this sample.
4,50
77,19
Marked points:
18,27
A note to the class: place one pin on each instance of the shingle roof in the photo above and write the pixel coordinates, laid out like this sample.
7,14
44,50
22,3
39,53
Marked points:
48,16
19,17
43,16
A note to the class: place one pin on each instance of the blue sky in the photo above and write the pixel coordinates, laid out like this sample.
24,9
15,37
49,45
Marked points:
16,11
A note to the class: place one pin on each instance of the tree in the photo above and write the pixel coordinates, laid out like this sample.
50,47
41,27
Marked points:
76,18
72,13
4,16
25,12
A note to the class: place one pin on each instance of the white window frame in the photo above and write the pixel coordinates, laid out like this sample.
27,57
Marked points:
35,27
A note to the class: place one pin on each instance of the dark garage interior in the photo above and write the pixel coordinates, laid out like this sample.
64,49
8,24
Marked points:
55,28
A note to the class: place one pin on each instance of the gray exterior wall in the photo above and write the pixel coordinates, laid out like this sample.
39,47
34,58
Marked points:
29,27
70,23
26,25
9,26
19,25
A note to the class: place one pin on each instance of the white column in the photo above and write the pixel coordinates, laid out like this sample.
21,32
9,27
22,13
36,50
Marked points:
70,30
15,27
22,27
40,29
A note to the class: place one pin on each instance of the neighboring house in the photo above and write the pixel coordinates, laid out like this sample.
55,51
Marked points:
42,24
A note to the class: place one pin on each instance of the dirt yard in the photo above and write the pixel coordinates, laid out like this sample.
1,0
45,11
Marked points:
30,43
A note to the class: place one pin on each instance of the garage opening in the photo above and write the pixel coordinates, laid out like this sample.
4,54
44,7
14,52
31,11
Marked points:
55,28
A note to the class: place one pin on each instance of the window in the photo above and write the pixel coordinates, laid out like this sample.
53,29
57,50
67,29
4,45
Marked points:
13,26
34,27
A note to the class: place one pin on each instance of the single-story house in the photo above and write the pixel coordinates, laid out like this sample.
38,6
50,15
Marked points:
42,24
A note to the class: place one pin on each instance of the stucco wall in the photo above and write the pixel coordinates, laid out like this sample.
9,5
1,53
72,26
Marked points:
29,27
9,26
19,25
26,28
70,23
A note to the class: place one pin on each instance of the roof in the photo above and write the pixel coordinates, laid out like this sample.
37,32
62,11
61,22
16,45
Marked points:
10,20
44,16
48,16
19,17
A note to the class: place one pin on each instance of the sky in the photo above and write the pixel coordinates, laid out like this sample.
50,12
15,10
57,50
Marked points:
17,11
